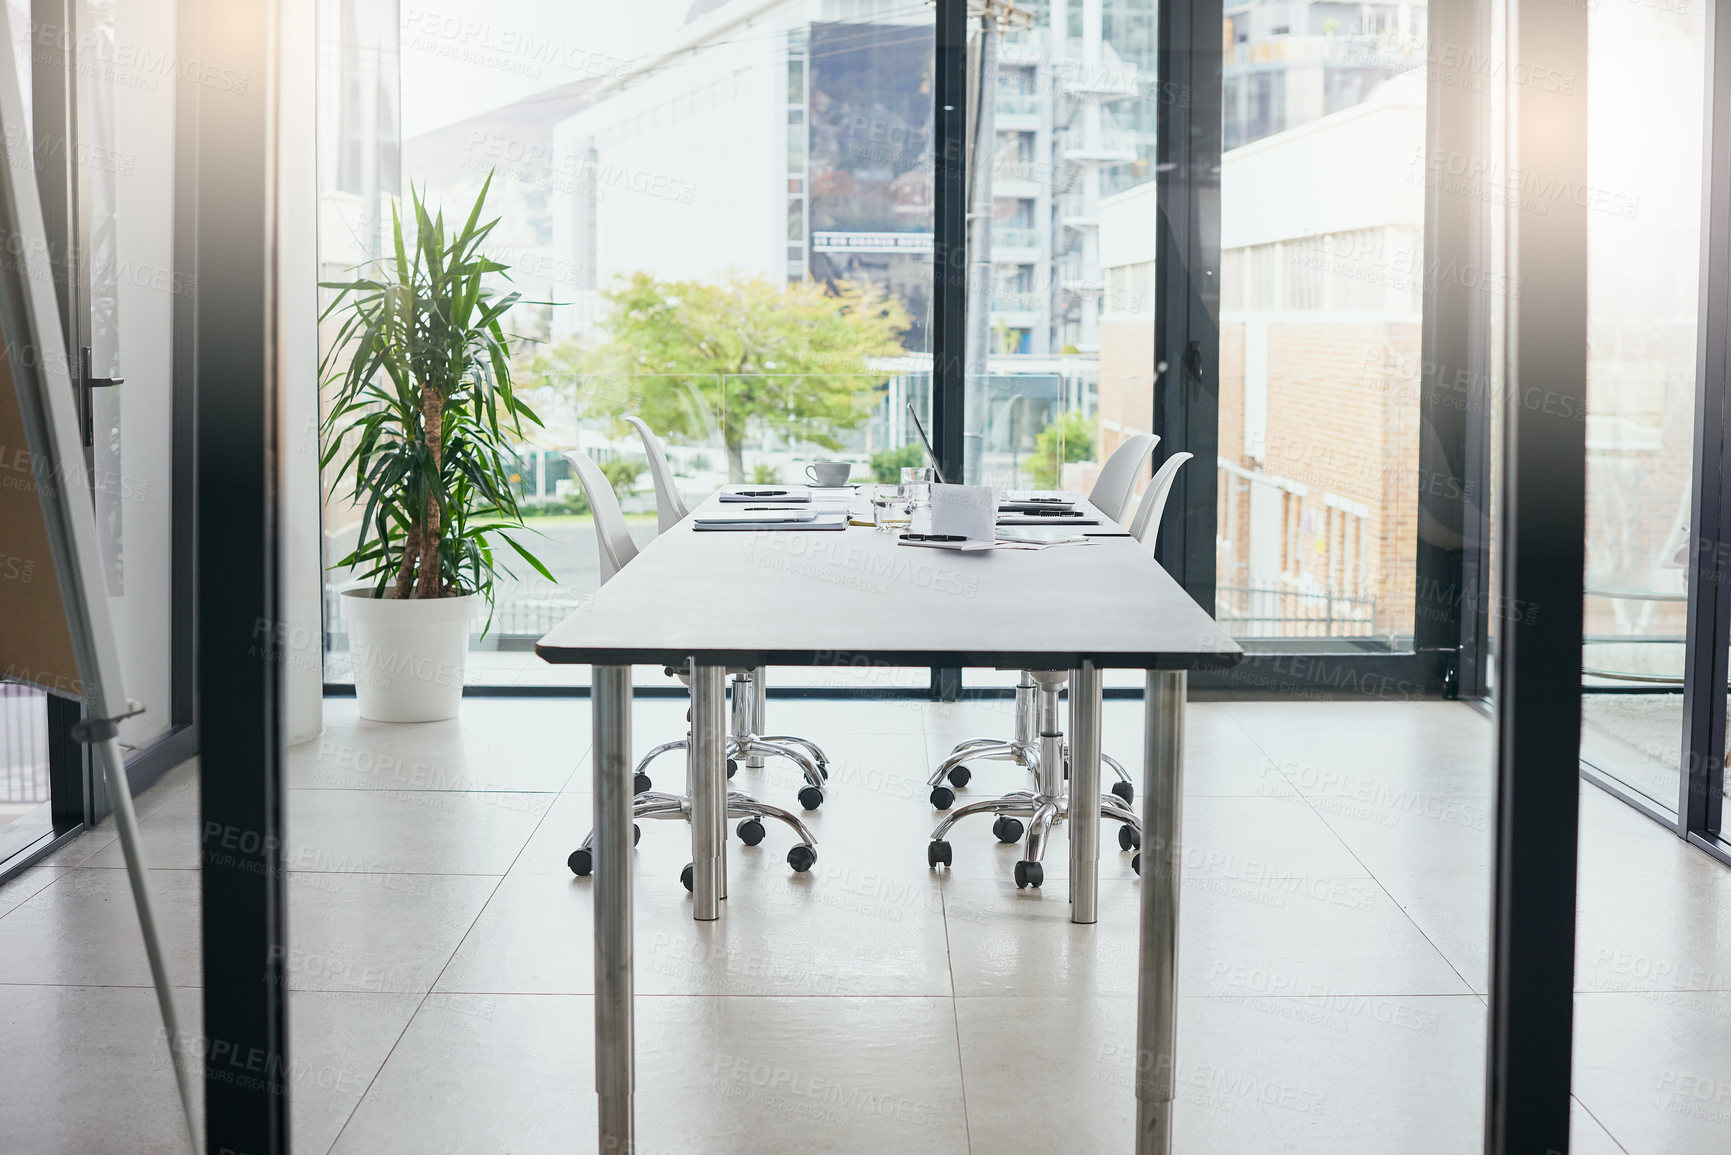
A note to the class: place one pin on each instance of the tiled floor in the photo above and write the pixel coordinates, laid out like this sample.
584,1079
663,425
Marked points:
1332,970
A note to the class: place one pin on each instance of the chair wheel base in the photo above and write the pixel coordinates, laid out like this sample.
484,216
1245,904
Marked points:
1029,874
943,798
685,876
640,782
1136,864
1124,790
938,854
581,862
801,857
750,831
960,777
732,767
810,797
1007,829
1128,839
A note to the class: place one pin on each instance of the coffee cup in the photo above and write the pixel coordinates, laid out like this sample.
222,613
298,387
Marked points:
828,474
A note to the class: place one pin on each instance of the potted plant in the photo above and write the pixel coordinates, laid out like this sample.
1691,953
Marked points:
422,416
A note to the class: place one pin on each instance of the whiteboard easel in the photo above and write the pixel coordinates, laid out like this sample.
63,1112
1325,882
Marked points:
57,634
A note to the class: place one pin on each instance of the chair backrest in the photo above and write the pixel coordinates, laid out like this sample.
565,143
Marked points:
669,509
1117,480
1146,527
612,539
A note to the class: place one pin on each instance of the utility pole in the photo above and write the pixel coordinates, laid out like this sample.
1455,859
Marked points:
994,16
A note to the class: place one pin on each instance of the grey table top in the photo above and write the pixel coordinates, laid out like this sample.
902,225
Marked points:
793,597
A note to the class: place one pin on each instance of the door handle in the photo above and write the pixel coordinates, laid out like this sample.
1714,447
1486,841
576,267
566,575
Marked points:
86,392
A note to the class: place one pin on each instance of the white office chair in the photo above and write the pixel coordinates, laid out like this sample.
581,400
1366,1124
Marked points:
1146,527
745,739
1111,495
1039,744
616,549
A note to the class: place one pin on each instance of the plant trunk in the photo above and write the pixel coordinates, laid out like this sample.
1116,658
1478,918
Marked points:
432,430
406,568
735,460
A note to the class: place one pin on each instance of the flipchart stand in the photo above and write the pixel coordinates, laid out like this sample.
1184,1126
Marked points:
57,634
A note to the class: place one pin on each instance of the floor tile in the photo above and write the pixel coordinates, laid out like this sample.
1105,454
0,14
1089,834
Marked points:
409,831
378,933
87,1071
495,744
715,1076
1654,913
15,890
1587,1136
782,934
1329,1075
1325,937
1654,1068
83,931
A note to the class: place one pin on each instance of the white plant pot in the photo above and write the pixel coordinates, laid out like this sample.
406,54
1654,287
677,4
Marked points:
408,654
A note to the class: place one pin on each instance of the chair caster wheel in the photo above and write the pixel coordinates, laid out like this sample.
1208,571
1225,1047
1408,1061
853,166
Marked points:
685,876
1007,829
943,798
640,782
581,863
636,834
750,831
810,797
1136,864
1124,790
732,767
960,776
1029,874
823,770
1128,839
801,857
938,854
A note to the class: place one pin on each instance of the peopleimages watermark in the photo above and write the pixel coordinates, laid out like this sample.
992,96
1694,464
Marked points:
538,163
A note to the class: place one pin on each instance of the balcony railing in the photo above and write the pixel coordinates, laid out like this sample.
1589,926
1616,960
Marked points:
1011,237
1276,612
23,745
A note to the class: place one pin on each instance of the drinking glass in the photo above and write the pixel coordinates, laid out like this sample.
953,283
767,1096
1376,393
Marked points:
917,485
890,507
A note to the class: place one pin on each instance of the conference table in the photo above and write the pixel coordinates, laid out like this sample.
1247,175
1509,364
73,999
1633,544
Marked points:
712,600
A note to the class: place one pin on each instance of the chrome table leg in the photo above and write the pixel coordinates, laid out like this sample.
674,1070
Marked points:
1157,971
614,1061
1084,816
708,791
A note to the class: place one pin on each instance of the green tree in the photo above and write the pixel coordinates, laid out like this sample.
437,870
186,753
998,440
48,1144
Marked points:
746,353
887,464
1069,438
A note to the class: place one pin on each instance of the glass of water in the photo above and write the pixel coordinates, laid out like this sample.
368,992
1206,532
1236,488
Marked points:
890,507
917,484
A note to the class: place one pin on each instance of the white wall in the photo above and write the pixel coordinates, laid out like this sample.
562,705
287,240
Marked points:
1356,169
136,164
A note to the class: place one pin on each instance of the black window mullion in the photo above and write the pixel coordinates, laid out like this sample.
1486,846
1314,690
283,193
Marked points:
1541,523
1451,570
1699,807
1186,372
949,258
